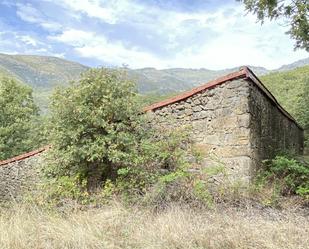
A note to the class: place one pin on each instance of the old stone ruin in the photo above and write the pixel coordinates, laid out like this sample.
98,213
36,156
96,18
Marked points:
234,119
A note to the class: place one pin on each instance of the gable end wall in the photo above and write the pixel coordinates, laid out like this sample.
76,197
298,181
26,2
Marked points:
219,118
235,123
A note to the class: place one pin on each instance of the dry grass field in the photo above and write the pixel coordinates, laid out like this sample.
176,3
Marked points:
116,226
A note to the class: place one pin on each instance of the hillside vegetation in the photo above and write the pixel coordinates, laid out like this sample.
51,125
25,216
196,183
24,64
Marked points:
40,71
291,89
44,72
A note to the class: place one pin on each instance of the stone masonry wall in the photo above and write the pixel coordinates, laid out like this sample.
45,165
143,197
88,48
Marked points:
271,130
19,176
235,123
219,119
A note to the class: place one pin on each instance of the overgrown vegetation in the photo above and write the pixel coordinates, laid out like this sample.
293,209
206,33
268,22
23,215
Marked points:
100,140
94,127
287,175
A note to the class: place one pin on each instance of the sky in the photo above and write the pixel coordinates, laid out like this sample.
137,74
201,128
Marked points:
213,34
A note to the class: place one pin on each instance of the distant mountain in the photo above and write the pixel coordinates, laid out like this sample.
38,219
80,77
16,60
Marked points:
44,72
167,81
40,71
178,79
296,64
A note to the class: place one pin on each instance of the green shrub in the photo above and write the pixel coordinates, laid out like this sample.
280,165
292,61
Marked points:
186,186
95,128
287,174
162,158
161,168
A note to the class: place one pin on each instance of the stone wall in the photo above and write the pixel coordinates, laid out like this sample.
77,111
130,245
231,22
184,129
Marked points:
19,176
271,130
219,119
236,123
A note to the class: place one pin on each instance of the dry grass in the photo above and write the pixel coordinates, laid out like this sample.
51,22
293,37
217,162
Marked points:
177,227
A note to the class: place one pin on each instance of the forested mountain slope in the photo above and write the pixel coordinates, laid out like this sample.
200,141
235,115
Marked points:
44,72
40,71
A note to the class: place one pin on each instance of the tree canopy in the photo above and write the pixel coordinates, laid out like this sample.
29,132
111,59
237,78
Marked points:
296,14
18,114
91,124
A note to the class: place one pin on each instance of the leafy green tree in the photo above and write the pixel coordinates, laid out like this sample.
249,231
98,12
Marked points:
18,116
295,12
93,124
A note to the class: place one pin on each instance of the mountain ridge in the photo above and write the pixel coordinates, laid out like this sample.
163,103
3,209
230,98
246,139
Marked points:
48,71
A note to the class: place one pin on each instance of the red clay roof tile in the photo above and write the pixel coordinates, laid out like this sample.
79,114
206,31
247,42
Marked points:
24,156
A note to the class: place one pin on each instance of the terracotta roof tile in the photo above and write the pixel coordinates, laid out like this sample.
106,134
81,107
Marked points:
24,156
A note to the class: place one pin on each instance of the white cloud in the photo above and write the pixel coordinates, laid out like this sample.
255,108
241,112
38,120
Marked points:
215,40
28,40
30,14
27,13
15,43
74,37
107,10
91,45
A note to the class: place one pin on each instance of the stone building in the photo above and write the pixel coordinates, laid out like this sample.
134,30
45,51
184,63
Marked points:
234,119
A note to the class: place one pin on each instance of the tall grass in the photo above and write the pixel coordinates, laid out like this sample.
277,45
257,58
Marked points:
114,226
